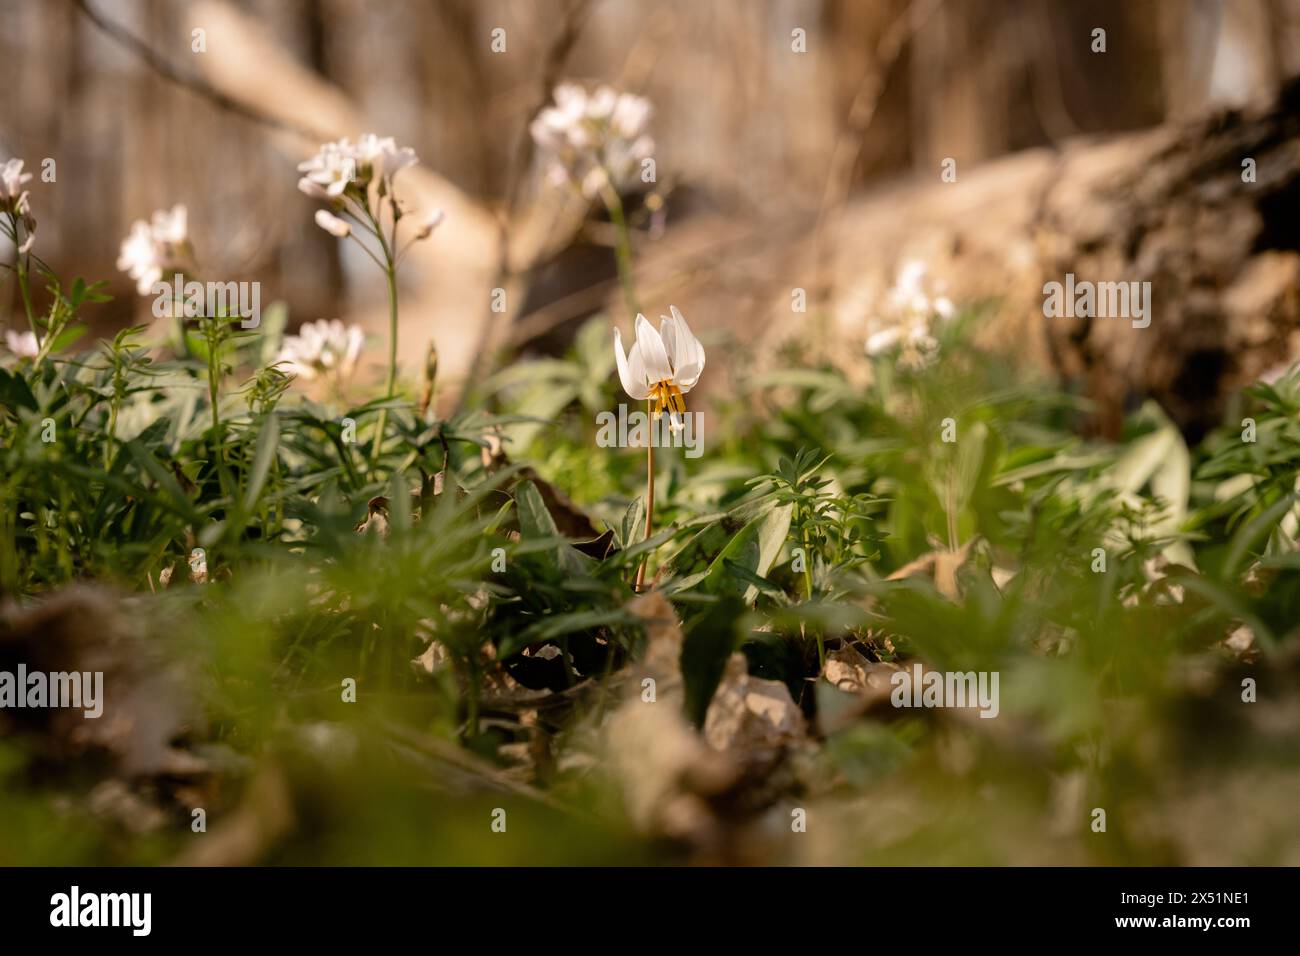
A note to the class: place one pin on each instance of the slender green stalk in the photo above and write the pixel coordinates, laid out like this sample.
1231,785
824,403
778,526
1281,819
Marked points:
10,229
214,375
649,500
27,296
808,582
951,509
20,266
389,265
391,272
112,433
623,256
622,248
807,563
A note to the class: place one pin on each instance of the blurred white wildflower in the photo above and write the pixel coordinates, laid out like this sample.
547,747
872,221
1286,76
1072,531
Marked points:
155,247
382,157
322,348
662,366
18,223
356,179
594,139
22,344
908,318
171,226
330,172
314,189
12,178
339,165
341,174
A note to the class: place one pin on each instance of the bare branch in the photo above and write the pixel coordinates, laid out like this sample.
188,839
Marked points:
159,64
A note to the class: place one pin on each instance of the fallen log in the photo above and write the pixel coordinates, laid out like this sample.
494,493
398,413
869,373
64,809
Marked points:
1205,212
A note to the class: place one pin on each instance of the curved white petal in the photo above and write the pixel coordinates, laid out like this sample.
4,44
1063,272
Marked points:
883,340
668,335
687,376
688,352
637,364
654,355
635,386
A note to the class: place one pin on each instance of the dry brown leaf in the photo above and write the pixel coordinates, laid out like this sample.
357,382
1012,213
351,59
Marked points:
147,696
750,713
435,658
940,566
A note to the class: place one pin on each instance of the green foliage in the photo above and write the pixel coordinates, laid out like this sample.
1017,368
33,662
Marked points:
796,535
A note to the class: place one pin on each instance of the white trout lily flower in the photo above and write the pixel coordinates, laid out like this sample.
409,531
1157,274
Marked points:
662,366
322,348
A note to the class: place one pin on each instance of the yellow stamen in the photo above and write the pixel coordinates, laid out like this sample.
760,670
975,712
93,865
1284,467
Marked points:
667,397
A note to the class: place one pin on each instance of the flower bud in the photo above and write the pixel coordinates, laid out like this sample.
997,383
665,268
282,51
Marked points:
332,224
431,222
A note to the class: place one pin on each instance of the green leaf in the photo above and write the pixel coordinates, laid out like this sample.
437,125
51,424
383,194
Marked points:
181,503
268,442
15,392
1231,606
1145,456
709,640
65,338
1251,532
970,461
743,574
632,528
755,548
271,332
536,522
